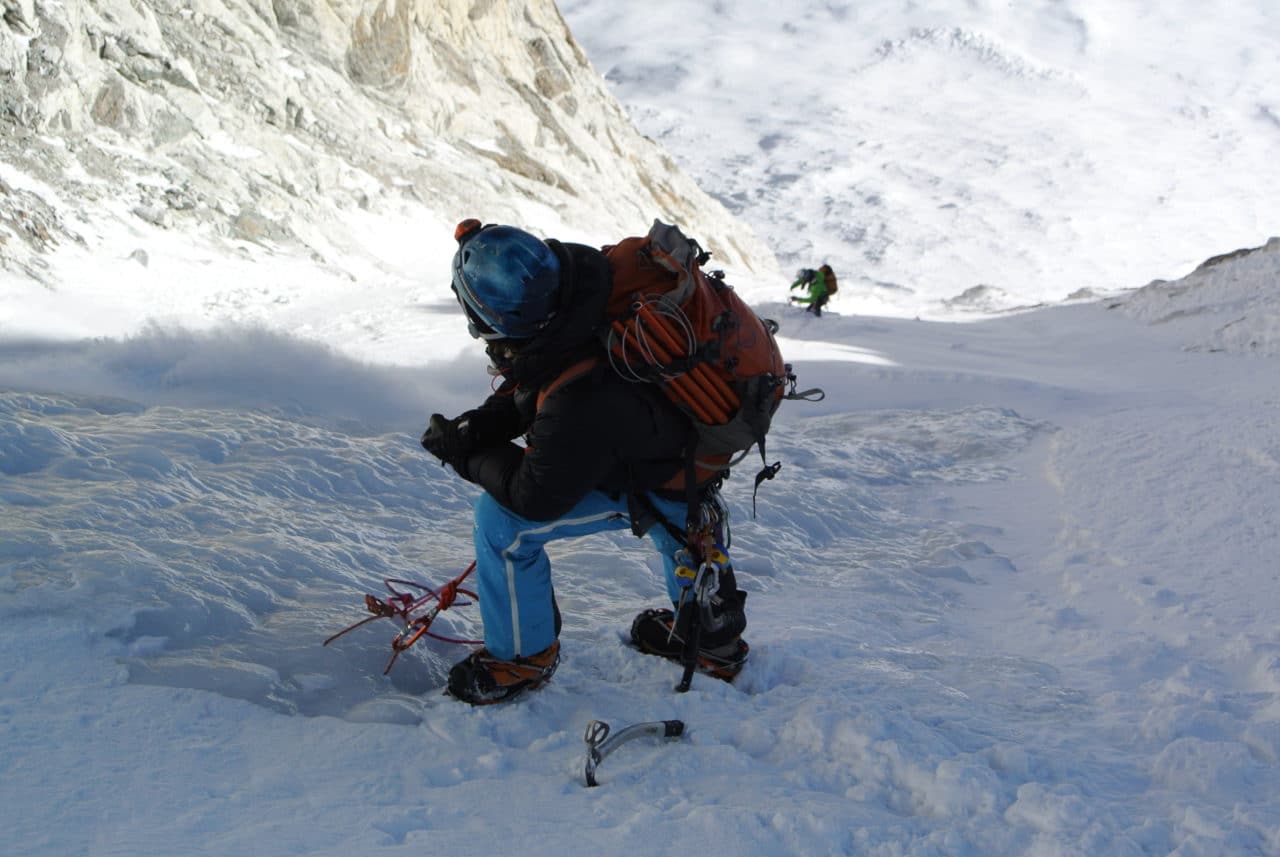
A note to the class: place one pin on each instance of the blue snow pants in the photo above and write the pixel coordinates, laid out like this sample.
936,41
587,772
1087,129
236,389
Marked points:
514,574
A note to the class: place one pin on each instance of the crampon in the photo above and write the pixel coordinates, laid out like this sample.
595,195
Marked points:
407,603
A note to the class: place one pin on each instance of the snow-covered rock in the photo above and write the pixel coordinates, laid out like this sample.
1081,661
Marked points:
271,122
1229,303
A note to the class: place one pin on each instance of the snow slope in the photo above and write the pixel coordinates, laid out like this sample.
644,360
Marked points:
1013,593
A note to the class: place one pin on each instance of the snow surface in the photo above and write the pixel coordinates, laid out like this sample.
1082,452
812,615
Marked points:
1013,592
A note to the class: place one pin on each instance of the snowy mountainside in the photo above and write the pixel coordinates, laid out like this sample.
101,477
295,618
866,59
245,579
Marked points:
1035,150
1226,316
349,137
1012,592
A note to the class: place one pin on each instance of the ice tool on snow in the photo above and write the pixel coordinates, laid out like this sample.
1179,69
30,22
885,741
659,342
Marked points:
600,742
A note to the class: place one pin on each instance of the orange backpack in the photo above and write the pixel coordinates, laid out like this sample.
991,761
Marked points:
672,324
830,277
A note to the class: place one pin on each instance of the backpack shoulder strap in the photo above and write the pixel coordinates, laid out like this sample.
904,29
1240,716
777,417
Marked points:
571,373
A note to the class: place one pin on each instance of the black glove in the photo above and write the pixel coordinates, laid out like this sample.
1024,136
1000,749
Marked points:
448,440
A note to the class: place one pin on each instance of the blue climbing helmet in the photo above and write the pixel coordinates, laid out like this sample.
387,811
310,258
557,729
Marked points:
507,281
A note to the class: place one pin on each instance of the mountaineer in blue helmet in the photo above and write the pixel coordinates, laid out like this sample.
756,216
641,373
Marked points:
596,450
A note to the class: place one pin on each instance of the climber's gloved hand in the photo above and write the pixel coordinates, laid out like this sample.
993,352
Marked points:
448,440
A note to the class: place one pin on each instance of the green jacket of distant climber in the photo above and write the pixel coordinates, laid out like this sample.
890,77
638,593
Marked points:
821,286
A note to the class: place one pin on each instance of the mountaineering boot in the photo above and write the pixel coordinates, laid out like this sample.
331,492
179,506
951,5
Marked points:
482,679
722,652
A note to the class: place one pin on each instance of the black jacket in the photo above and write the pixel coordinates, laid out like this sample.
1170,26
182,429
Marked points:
597,431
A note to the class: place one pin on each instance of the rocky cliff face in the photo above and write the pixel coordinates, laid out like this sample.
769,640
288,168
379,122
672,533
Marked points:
266,120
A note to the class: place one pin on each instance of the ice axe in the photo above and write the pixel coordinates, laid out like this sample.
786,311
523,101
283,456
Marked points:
601,743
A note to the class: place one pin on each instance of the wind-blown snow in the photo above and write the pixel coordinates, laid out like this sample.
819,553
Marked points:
1013,591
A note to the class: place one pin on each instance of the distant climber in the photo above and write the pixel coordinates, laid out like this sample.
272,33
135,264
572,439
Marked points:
820,286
